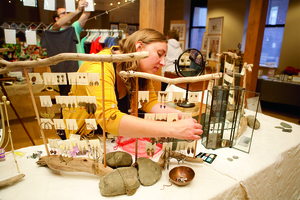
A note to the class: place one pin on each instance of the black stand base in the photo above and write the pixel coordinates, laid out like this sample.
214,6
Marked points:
186,104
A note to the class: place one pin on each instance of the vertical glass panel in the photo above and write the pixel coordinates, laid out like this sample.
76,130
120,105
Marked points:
277,12
196,38
199,18
271,46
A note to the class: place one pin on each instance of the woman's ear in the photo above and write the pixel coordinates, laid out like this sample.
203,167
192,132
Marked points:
139,46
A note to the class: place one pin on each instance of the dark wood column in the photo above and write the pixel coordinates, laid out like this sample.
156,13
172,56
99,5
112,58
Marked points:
152,15
255,32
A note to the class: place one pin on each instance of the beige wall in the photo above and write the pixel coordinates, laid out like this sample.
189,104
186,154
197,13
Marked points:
233,12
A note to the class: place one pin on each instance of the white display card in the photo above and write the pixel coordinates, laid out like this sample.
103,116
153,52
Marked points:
71,124
149,116
161,116
49,5
59,78
163,96
181,145
78,78
49,78
177,97
31,3
53,144
70,5
46,123
46,101
167,146
10,36
87,99
186,115
95,144
59,124
30,37
35,78
74,137
172,117
194,97
67,145
90,7
82,145
150,146
91,124
94,79
143,96
190,144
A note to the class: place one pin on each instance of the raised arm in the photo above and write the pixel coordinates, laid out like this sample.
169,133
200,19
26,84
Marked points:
63,20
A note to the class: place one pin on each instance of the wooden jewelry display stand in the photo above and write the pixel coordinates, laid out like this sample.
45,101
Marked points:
80,164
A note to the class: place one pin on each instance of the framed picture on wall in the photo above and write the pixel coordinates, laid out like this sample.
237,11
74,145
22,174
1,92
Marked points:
180,27
181,43
213,48
215,25
123,27
131,29
204,43
114,26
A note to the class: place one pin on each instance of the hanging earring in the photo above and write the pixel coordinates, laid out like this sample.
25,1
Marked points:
152,152
148,152
192,150
69,106
73,105
96,83
188,150
57,78
175,100
91,83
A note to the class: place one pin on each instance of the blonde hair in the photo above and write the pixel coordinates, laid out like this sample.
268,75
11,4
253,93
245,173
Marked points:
127,45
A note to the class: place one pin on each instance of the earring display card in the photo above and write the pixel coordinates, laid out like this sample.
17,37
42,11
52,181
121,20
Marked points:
160,116
149,116
74,137
94,79
92,124
59,124
90,7
45,101
143,96
71,124
207,157
46,123
95,144
70,5
82,144
53,144
49,5
35,78
163,96
181,146
167,146
172,117
193,97
177,97
59,78
186,115
67,145
82,78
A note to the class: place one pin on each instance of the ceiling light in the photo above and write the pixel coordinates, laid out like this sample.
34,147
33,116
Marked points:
119,2
125,0
94,4
111,4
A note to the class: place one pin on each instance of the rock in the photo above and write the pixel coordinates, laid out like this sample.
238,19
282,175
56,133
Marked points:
280,127
229,116
287,130
285,125
250,119
119,181
118,159
149,171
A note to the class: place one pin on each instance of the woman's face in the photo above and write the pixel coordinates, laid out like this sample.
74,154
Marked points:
157,52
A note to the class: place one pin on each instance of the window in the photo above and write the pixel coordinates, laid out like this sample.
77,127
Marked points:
273,34
198,23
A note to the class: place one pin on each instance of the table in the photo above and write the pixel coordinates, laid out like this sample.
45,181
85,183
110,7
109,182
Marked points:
278,92
270,171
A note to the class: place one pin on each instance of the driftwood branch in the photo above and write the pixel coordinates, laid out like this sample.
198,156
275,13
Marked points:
11,180
79,164
171,80
5,49
8,66
175,155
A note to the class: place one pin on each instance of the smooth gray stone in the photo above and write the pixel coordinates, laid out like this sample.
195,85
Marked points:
287,130
118,159
250,122
280,127
285,125
113,183
149,171
229,116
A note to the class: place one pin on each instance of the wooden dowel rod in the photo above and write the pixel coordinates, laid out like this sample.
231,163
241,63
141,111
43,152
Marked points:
36,110
136,114
103,114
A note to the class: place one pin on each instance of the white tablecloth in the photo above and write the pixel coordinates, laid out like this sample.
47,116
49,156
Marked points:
270,171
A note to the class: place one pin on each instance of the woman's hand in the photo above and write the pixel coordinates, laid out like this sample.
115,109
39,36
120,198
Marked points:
187,129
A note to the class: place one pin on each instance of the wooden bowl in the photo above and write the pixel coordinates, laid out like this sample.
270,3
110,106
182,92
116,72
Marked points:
181,175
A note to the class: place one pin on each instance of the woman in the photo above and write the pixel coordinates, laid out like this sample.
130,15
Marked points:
117,90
